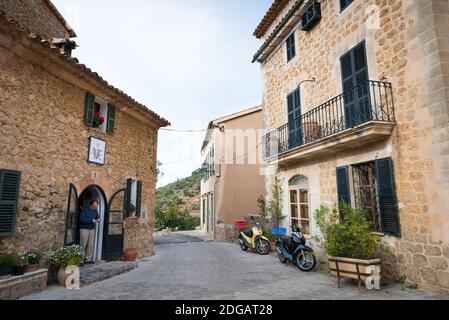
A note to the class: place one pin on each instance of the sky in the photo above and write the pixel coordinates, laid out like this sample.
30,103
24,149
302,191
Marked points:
187,60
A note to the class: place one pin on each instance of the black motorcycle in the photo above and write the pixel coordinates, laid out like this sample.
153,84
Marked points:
294,249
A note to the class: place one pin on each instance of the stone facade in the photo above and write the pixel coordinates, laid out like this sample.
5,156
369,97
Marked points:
44,136
40,17
410,50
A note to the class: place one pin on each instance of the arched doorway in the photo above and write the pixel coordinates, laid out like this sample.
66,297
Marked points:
109,236
94,192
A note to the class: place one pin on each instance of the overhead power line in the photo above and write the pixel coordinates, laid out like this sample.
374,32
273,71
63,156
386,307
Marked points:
179,161
180,130
222,160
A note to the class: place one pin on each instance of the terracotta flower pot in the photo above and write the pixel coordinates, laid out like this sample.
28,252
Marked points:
62,276
130,254
31,268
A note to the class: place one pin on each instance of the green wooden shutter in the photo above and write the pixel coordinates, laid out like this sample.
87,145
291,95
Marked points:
388,204
89,109
344,194
139,199
129,184
291,49
354,74
111,118
9,197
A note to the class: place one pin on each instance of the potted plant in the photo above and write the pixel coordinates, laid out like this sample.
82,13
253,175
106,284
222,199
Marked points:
132,208
6,263
353,250
20,261
63,258
98,120
34,260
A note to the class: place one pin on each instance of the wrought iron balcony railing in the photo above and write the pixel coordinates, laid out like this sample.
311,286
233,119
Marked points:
370,101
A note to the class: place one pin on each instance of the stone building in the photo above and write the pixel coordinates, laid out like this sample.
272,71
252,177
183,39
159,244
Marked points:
67,136
356,109
233,179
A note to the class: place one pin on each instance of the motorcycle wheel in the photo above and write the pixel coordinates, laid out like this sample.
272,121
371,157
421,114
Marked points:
282,259
306,261
262,247
242,244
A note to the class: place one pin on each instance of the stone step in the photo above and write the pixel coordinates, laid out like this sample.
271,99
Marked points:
104,270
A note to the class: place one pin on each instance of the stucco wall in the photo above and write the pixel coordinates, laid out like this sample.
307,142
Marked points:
411,50
43,135
241,179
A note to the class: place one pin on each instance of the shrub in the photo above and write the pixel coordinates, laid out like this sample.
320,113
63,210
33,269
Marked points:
275,204
7,260
20,260
175,218
34,257
347,233
264,215
67,256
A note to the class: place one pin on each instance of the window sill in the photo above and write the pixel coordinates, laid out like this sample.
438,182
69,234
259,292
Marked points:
380,234
99,130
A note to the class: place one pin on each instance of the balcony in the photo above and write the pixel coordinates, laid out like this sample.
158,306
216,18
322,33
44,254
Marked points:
359,116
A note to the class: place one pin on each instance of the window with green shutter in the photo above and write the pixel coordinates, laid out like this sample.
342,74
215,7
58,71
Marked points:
111,118
388,204
89,109
99,114
343,190
133,199
9,197
374,191
291,48
128,195
139,199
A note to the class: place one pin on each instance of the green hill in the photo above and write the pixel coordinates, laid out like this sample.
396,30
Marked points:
178,203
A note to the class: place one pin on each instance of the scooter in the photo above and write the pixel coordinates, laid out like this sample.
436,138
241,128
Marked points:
253,238
294,249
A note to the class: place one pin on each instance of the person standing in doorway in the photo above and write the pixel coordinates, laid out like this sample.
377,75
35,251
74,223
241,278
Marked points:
88,220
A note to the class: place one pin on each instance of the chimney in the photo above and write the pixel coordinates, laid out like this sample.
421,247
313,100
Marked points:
65,46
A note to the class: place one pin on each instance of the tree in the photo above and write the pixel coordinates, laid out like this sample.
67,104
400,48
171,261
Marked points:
263,211
275,204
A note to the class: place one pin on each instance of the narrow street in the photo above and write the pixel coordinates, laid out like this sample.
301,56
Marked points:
189,266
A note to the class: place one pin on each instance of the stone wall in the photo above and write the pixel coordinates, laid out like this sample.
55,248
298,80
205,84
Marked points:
225,233
37,16
44,136
16,287
411,50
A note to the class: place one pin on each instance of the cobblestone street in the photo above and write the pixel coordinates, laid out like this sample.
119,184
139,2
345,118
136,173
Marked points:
188,267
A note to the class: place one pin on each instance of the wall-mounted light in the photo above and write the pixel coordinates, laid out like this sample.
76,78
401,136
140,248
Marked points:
307,80
221,128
